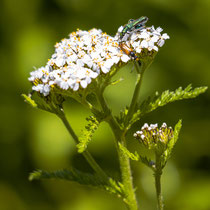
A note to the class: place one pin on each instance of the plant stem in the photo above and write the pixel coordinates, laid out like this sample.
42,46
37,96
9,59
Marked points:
158,173
127,179
86,154
140,72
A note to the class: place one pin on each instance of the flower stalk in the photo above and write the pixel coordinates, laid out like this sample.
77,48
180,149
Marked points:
86,154
157,174
126,174
127,178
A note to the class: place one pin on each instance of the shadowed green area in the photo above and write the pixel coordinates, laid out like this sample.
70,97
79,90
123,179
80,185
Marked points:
32,139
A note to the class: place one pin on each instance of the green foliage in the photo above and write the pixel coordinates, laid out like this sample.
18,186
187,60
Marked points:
87,133
29,100
167,153
82,178
129,154
122,116
72,175
152,103
51,103
136,157
114,187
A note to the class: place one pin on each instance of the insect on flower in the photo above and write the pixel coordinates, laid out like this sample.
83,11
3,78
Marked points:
133,25
127,50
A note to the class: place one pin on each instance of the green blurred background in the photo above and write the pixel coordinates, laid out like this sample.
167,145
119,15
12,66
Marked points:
31,139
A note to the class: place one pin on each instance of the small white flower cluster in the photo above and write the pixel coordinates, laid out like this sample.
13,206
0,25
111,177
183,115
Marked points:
86,54
149,38
150,135
77,60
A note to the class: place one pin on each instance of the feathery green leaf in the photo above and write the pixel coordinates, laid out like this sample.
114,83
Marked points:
152,103
166,155
87,133
135,156
129,154
82,178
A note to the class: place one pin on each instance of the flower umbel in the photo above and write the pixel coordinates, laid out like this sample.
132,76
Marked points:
77,60
153,137
85,55
147,40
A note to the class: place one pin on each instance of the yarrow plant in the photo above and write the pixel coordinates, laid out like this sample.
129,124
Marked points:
84,64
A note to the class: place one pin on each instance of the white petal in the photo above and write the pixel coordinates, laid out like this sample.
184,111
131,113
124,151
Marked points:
76,86
165,36
138,50
108,63
120,29
125,58
161,42
115,59
83,83
144,44
104,69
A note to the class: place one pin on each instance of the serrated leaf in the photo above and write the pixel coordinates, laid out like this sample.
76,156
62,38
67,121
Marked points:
152,103
87,133
82,178
135,156
72,175
166,155
129,154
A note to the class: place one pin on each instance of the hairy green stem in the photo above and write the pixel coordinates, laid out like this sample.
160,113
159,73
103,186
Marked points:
86,154
127,179
135,98
158,173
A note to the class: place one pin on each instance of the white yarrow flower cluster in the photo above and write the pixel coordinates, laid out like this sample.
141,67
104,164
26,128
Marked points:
147,38
86,54
77,60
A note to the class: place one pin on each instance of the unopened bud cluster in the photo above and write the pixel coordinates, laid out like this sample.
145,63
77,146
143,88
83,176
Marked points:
153,137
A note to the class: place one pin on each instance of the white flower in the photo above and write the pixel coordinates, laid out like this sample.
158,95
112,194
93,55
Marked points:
44,89
120,29
85,55
148,38
162,39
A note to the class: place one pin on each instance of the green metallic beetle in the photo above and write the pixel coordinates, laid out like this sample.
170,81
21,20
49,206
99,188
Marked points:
133,25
